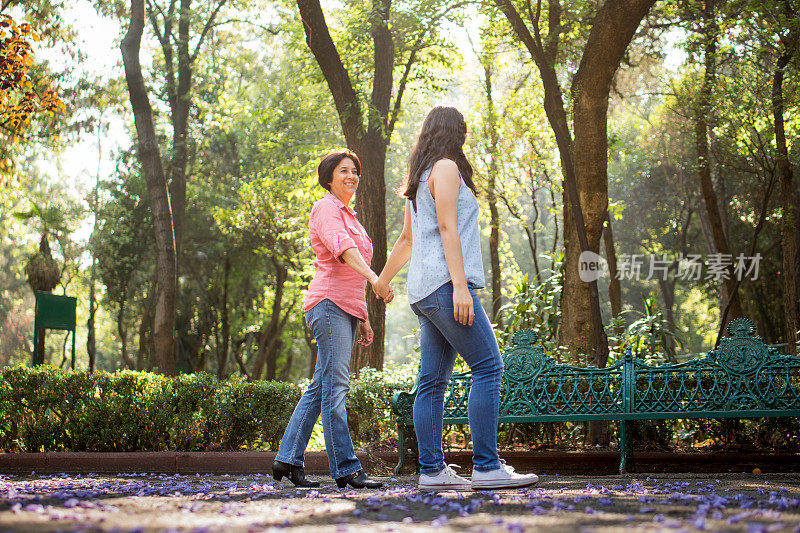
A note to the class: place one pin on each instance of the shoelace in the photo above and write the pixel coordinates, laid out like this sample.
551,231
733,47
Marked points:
508,468
450,472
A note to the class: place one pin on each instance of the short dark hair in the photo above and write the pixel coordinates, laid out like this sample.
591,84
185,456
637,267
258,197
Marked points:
331,161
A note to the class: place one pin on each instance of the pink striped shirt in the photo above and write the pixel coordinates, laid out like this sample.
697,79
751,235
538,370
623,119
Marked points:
334,228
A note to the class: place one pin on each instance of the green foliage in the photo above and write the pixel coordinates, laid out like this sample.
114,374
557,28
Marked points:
650,335
534,305
369,402
46,409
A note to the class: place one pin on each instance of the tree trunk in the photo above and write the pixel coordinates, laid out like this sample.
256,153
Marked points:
788,215
163,357
144,326
180,105
222,354
612,31
287,368
667,287
91,346
269,336
38,356
557,117
371,207
491,197
703,111
123,335
614,289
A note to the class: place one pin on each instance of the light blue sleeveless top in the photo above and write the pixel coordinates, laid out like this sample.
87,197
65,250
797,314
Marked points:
428,269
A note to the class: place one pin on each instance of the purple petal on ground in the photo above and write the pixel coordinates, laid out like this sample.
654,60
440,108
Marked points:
439,522
33,508
72,502
738,517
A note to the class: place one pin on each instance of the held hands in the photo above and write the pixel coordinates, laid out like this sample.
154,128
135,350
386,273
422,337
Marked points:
463,308
364,333
383,291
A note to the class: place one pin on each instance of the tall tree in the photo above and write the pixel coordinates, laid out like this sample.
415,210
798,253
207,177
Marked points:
584,159
367,124
789,40
163,358
491,139
731,306
180,47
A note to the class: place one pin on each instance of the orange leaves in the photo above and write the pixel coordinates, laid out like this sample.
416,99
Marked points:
18,100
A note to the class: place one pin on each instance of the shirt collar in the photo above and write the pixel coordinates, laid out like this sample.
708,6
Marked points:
339,203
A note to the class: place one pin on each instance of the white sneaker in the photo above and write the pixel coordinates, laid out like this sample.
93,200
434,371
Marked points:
501,478
445,479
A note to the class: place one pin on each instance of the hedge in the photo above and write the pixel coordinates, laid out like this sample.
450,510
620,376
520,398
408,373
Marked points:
46,409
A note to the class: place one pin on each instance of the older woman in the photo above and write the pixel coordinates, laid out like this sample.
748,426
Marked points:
336,311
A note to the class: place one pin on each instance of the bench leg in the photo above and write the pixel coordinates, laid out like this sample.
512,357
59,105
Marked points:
401,449
626,463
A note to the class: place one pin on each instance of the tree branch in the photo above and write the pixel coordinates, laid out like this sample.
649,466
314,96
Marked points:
321,44
206,28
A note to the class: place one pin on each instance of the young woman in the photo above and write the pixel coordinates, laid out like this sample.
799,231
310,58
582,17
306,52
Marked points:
336,309
441,213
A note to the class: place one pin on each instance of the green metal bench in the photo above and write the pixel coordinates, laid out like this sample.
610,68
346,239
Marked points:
742,378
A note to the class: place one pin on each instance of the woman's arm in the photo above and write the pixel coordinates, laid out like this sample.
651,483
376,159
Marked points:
400,255
445,183
353,258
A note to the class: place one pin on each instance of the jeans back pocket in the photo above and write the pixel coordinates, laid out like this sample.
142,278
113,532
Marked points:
427,306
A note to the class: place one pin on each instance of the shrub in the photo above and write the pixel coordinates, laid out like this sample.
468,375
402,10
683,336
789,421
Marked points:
369,403
46,409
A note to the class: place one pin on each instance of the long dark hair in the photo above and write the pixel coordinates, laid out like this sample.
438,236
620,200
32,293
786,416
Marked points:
442,137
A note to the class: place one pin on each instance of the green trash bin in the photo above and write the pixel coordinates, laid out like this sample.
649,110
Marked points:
54,312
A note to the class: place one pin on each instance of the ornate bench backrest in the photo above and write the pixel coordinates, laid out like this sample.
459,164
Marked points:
534,384
742,374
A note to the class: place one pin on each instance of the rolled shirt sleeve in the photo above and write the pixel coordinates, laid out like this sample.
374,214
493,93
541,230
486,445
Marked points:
331,229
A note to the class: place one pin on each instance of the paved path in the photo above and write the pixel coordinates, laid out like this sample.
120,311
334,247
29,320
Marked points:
139,503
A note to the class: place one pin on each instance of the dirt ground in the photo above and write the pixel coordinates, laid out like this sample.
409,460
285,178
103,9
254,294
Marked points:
206,503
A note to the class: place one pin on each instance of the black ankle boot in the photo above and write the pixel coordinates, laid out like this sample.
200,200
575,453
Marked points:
358,480
293,473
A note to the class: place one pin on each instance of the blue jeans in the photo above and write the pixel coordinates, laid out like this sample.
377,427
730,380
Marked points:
335,332
442,339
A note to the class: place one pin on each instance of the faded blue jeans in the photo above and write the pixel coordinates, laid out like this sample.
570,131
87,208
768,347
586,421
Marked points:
335,332
442,339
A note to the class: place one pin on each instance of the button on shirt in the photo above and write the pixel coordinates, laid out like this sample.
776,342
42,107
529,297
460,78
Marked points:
334,228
